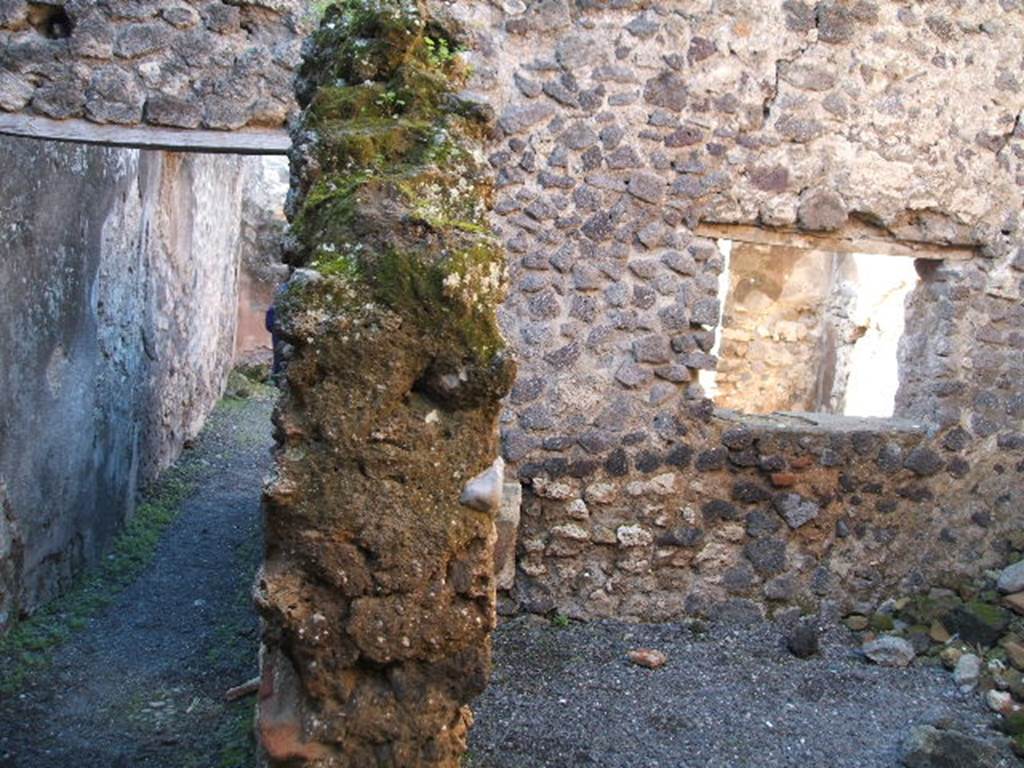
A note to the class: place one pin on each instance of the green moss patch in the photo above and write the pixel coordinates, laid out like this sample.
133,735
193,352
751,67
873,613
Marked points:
29,644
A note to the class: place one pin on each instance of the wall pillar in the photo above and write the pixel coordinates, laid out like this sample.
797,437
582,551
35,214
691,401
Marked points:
378,588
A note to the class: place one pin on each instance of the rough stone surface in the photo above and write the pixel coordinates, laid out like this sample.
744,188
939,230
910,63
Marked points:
616,139
196,63
378,586
120,275
778,120
967,670
929,747
1011,578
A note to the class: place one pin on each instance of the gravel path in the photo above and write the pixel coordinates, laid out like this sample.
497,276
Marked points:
730,698
142,684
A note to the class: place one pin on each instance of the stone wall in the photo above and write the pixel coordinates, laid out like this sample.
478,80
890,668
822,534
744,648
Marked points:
625,126
220,64
622,128
116,331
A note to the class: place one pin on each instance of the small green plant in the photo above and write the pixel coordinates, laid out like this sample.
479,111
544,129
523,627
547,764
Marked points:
29,644
560,621
390,102
439,52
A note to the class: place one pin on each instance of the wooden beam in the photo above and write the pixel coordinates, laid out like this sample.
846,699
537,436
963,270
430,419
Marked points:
240,142
862,240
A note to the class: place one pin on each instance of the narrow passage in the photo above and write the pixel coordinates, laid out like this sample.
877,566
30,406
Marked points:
141,682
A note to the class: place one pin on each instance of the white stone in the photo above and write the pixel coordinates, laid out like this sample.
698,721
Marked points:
600,493
661,485
967,671
552,489
483,492
999,701
577,510
714,556
633,536
733,532
507,530
570,531
1012,578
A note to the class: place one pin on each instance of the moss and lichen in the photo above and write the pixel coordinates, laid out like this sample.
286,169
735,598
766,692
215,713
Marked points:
396,211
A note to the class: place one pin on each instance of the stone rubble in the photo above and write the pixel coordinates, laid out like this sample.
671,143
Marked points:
647,657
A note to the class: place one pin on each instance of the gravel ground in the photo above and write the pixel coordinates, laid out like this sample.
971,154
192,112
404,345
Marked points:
732,697
141,686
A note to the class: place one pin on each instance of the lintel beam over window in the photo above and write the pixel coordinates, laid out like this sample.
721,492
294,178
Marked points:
852,240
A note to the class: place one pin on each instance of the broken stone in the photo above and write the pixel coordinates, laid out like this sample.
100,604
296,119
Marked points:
856,622
967,671
632,375
141,39
15,92
1015,650
768,556
802,640
115,96
1015,602
651,349
667,90
517,119
483,492
889,651
173,111
795,509
507,530
821,210
647,187
633,536
647,657
923,462
977,622
999,701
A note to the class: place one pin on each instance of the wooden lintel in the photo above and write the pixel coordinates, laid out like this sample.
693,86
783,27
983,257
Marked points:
838,242
240,142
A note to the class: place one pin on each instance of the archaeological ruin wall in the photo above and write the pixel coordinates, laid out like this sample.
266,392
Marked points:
187,64
628,142
632,139
119,282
